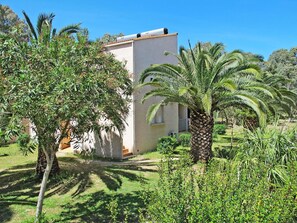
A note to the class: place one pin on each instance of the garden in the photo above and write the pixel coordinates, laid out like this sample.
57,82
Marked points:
254,181
236,164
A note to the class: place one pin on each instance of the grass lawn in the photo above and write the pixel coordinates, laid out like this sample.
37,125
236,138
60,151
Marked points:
85,190
81,193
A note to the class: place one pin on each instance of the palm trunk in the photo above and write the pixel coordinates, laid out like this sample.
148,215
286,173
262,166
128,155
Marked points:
201,128
251,123
49,161
42,163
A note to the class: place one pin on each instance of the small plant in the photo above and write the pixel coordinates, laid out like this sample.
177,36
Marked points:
184,139
167,144
273,149
113,209
219,129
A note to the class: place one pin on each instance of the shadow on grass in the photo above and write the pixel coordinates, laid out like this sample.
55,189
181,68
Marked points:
19,186
94,208
78,174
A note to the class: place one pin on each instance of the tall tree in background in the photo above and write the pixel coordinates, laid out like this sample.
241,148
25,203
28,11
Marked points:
63,81
279,83
207,79
42,35
107,38
11,24
284,62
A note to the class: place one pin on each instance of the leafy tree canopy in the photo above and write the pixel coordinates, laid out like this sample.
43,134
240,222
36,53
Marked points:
284,62
10,23
107,38
60,86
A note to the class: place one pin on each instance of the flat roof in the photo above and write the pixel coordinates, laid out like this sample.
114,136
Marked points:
137,39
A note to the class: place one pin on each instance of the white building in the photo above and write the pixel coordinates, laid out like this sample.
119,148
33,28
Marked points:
139,52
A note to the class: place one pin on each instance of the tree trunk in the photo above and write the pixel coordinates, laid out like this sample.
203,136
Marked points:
232,132
251,123
49,161
201,128
41,164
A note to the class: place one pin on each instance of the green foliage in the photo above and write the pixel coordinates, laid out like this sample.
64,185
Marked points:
184,139
221,194
10,23
62,85
219,129
4,122
113,209
108,38
209,79
171,199
23,140
44,31
26,144
224,152
270,150
284,62
167,144
63,80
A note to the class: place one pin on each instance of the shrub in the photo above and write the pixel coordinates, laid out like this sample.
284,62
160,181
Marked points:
167,144
169,201
273,149
26,144
184,139
222,194
219,129
23,140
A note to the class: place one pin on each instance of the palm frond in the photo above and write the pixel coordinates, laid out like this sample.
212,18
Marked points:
32,29
152,111
70,29
207,102
254,104
42,18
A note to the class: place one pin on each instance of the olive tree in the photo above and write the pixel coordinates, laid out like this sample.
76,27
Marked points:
64,85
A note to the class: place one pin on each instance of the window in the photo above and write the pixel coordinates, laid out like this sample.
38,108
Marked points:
159,117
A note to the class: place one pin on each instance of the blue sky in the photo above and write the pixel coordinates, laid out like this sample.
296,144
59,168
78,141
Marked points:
257,26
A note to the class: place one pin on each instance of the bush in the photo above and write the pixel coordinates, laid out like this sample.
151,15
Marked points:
219,129
184,139
167,144
222,194
169,201
23,140
273,149
26,144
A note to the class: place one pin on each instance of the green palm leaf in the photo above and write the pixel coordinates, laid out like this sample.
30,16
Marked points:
208,79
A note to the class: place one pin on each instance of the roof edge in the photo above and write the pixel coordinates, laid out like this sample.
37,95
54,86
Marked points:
138,39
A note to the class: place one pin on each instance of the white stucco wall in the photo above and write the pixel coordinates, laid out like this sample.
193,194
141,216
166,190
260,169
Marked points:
147,52
124,53
139,54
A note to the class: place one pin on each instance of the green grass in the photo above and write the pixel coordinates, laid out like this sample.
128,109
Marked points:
81,193
153,155
10,156
85,188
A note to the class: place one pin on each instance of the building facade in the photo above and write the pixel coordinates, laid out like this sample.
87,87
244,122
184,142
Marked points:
139,136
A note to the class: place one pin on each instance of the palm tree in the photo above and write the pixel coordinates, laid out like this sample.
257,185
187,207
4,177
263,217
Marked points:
284,106
44,33
207,79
